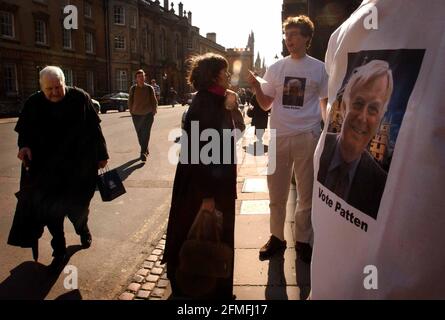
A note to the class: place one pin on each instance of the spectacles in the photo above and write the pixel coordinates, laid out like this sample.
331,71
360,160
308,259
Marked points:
293,34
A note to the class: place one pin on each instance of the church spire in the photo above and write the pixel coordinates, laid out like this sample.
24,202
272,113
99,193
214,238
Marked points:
258,62
251,42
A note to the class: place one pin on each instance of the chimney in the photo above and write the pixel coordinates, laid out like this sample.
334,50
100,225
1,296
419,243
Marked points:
180,9
172,10
211,36
189,17
166,5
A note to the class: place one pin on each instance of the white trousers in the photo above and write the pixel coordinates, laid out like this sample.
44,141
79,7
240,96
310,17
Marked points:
293,152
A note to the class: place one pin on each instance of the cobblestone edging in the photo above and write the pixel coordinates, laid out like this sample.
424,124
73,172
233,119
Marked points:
150,282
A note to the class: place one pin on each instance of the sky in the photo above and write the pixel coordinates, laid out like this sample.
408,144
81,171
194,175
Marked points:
233,20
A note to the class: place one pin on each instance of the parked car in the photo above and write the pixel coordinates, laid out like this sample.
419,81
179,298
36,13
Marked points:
96,105
114,101
188,98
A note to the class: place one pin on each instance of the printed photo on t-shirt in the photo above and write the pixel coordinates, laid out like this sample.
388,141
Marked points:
293,92
364,123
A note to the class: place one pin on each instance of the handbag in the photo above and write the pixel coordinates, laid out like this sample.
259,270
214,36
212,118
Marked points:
110,185
204,258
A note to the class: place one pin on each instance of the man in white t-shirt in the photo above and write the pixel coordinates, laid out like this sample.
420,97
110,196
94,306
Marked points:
296,88
399,252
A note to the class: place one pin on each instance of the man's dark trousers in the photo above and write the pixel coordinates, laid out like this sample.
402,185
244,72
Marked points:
78,216
143,124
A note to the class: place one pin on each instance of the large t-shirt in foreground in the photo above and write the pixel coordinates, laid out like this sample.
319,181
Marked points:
405,241
296,86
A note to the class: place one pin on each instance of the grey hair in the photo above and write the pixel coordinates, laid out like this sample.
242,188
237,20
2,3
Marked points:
292,83
366,73
52,71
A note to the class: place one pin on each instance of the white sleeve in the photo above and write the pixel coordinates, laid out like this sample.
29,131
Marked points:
323,84
330,52
269,87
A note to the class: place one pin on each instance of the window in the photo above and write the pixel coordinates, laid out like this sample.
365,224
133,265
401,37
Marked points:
119,42
147,38
90,82
133,21
144,39
88,12
68,76
122,80
7,24
89,42
10,78
40,32
119,15
163,43
178,45
67,39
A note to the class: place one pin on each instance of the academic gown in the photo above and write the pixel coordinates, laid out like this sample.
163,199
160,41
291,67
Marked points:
193,182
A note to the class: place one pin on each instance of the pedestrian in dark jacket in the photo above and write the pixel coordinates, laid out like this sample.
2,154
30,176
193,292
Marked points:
61,147
204,186
259,120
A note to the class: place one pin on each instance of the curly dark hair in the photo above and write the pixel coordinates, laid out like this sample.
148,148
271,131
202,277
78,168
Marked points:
204,70
304,24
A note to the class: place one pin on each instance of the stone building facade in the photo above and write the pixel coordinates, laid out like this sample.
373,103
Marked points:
32,36
113,39
240,62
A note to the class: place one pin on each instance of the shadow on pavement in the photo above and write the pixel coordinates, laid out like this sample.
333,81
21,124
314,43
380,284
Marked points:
32,280
126,169
125,116
72,295
276,281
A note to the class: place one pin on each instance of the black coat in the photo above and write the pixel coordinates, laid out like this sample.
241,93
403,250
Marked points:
258,115
193,182
66,143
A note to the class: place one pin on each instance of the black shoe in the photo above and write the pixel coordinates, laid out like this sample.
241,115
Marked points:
86,239
58,264
304,252
273,246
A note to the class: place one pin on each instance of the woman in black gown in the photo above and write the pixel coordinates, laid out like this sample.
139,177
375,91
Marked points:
199,184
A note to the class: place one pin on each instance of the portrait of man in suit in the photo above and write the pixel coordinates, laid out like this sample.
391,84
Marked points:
293,93
346,166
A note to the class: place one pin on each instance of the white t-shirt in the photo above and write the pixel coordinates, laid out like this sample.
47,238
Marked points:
401,252
296,86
